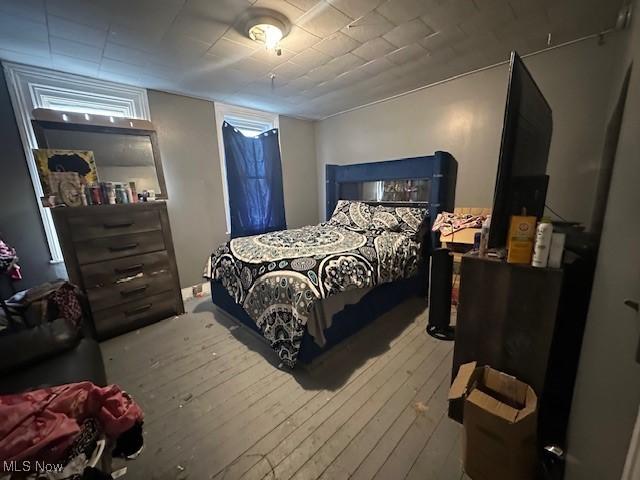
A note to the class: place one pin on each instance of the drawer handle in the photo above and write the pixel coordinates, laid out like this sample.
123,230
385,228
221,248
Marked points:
120,248
133,291
138,309
132,268
117,225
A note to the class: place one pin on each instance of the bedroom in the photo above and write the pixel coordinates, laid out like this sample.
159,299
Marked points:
351,86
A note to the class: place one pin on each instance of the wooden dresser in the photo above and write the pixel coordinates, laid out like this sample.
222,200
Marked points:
122,256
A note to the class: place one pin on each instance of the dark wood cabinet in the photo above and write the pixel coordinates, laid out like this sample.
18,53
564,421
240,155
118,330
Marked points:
506,317
528,322
122,256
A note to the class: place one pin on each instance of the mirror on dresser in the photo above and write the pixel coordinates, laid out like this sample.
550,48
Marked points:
117,248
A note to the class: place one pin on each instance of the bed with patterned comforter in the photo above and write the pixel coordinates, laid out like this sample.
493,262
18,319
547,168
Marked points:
278,276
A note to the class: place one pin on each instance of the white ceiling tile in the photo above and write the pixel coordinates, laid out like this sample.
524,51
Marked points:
304,4
302,83
443,38
299,40
344,63
199,27
70,48
355,8
290,11
271,58
225,48
368,27
115,51
378,47
337,44
487,20
142,39
24,45
311,58
449,14
75,65
289,71
92,14
63,28
32,10
408,33
407,54
250,66
377,66
321,74
401,11
22,28
323,20
30,58
223,11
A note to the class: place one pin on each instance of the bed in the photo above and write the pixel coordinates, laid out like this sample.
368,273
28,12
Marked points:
305,290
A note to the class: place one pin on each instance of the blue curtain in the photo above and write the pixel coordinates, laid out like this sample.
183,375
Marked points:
254,178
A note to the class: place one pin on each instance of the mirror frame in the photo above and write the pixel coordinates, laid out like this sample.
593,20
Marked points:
46,119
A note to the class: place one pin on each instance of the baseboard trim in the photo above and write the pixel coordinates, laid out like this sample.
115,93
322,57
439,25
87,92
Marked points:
196,291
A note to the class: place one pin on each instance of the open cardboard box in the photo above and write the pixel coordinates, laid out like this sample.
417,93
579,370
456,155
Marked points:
499,414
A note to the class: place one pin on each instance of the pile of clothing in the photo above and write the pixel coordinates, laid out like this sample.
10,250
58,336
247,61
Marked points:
9,261
448,223
54,433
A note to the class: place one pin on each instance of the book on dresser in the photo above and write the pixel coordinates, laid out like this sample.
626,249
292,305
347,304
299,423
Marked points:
122,256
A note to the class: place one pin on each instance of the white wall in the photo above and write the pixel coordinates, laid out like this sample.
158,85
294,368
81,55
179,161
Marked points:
607,391
298,151
464,116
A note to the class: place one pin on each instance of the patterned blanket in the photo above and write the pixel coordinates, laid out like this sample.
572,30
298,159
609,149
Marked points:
278,276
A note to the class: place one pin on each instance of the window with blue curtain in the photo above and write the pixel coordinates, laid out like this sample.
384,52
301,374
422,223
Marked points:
254,181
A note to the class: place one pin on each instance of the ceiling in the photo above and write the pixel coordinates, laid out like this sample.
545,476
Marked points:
339,54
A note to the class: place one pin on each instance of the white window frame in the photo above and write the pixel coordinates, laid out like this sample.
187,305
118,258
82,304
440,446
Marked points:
33,87
243,117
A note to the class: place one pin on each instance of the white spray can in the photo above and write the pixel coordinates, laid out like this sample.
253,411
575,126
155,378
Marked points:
543,244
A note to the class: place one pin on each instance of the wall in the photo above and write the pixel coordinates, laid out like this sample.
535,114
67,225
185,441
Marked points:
464,116
189,150
607,392
20,222
191,162
297,141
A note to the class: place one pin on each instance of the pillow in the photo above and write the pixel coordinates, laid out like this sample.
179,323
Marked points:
352,215
407,220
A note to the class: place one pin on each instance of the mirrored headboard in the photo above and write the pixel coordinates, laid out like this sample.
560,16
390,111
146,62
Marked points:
429,180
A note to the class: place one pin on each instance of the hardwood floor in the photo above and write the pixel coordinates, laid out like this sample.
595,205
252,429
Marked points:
218,407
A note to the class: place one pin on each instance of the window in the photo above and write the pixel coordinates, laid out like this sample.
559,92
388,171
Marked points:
32,87
251,123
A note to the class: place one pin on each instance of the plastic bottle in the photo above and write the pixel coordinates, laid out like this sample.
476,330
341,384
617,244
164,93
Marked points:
484,237
556,250
543,243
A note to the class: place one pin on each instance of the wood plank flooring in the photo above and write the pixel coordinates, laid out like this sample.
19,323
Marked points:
218,407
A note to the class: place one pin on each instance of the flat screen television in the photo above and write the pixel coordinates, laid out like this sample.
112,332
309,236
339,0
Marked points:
521,182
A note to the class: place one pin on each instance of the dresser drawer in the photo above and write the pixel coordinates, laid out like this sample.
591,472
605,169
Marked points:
108,248
109,273
100,225
147,279
131,315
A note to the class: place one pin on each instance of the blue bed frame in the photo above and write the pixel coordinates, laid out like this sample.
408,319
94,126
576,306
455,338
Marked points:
441,168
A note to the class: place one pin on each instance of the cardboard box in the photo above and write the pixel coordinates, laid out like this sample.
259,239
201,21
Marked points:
499,414
522,235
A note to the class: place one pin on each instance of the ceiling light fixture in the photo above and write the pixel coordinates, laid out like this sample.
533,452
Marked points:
267,28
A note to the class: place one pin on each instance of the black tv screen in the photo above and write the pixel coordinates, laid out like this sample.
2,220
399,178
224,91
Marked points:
521,182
